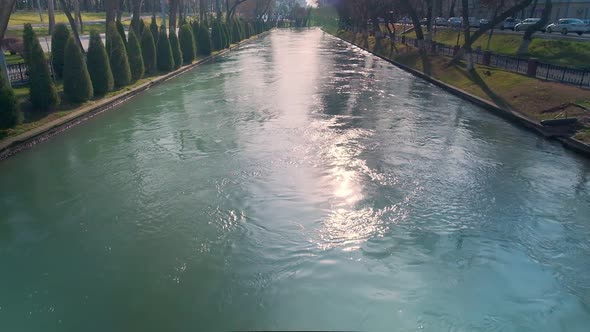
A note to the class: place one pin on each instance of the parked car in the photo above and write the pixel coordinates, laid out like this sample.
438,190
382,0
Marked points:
483,22
441,21
525,24
405,20
509,23
473,22
566,25
455,22
423,21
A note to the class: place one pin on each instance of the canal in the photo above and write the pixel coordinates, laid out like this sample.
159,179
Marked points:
296,183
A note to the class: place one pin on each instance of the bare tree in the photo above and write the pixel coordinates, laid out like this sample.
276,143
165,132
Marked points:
67,8
528,34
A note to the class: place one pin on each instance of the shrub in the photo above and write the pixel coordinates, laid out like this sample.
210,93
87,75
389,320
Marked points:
28,37
10,115
148,51
60,37
235,32
135,58
216,36
175,46
42,92
137,26
154,29
118,57
187,43
164,52
121,31
98,65
195,28
77,85
203,41
226,35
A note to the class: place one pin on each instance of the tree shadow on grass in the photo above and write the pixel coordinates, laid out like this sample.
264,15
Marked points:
426,64
474,77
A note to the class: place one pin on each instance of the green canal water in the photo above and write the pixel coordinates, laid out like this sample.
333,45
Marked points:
296,183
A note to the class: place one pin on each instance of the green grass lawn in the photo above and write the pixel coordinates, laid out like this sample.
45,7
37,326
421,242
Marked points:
12,59
22,17
561,52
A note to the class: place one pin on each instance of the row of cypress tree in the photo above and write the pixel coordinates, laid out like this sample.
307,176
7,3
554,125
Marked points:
123,60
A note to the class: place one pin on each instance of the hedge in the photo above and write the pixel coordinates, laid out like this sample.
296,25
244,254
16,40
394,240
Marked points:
99,67
77,84
59,38
135,57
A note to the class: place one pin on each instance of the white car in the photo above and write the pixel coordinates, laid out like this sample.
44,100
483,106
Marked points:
441,21
509,23
566,25
522,26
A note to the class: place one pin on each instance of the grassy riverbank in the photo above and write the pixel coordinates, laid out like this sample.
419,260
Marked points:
525,95
560,52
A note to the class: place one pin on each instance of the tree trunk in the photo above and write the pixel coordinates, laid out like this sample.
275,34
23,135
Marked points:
68,12
172,11
51,15
136,10
111,10
415,21
467,52
76,5
452,9
6,7
523,48
120,10
163,11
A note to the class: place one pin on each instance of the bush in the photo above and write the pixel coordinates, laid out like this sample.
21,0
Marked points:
154,29
203,41
235,32
135,57
175,46
118,57
98,65
121,31
195,29
217,36
137,27
77,85
164,52
42,92
28,37
60,37
226,35
148,52
10,115
187,43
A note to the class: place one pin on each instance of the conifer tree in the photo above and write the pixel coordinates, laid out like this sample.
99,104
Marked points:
136,64
175,46
148,51
117,57
164,52
42,92
10,114
77,84
203,41
99,67
187,43
59,38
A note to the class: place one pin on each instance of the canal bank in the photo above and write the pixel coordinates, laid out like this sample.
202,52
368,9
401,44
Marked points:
502,110
11,145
